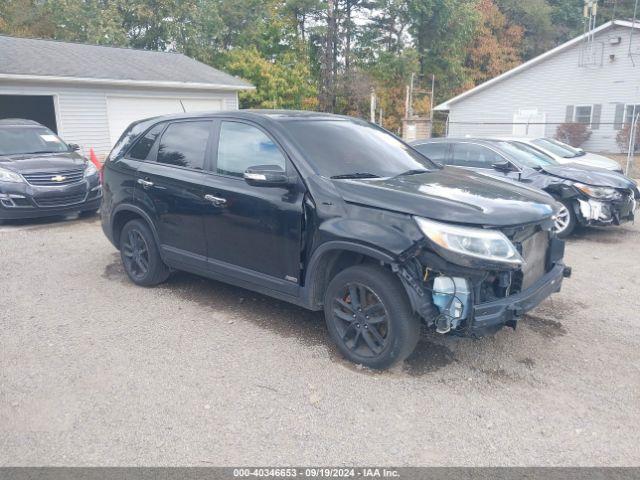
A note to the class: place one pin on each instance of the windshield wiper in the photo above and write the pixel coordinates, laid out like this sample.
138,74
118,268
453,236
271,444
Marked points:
355,175
415,171
39,151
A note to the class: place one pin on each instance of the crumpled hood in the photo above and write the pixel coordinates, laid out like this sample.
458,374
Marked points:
590,176
452,195
46,162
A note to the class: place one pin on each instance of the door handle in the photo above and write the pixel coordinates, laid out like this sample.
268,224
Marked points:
145,183
217,201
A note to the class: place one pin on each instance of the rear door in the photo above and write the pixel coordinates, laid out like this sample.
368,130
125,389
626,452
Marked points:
253,233
170,186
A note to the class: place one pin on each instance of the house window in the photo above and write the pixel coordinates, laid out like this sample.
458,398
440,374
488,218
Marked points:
582,114
630,112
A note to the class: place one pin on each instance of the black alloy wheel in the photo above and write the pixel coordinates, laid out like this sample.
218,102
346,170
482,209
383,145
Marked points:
369,316
140,255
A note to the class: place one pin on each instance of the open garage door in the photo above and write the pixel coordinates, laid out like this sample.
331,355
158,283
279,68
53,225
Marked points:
122,111
31,107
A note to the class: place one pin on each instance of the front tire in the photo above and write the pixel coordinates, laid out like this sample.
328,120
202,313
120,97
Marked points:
566,220
140,255
369,316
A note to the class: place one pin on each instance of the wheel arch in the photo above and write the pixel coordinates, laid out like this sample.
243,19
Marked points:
333,257
125,213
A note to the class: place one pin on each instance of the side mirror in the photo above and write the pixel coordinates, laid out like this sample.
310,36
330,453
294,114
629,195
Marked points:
266,176
502,166
74,147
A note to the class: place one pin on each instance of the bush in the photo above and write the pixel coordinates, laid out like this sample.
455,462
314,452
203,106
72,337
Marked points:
575,134
623,138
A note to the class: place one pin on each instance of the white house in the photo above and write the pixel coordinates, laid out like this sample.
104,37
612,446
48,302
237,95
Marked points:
88,94
594,79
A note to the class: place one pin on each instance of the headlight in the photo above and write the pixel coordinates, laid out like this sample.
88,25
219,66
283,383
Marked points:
598,192
90,169
9,176
474,242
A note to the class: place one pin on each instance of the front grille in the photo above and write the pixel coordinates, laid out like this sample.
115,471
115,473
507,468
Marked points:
49,179
534,252
60,200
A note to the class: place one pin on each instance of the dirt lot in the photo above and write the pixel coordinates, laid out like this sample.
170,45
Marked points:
96,371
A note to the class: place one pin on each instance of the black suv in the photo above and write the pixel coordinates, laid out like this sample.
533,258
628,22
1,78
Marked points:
40,175
332,213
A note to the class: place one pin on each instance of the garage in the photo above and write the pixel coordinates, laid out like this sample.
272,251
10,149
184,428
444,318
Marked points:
124,110
31,107
89,94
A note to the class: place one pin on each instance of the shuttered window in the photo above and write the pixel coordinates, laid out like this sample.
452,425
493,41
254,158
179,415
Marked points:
582,114
631,111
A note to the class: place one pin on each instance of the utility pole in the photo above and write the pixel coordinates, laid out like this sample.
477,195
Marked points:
433,89
372,106
413,75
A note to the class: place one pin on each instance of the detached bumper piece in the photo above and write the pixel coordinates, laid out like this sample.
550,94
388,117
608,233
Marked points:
490,317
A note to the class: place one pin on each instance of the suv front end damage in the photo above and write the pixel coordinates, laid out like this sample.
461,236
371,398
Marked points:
472,296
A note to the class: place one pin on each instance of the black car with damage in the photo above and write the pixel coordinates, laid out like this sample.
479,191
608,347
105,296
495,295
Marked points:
589,195
331,213
42,176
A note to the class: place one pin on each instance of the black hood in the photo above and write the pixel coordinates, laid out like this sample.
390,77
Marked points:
589,175
452,195
43,162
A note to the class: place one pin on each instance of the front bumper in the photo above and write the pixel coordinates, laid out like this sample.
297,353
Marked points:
490,317
606,212
19,201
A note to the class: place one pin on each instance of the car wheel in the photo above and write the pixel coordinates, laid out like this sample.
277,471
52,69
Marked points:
369,316
89,213
140,255
565,222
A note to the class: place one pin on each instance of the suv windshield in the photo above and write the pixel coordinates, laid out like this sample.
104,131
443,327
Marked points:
23,140
557,148
525,155
351,149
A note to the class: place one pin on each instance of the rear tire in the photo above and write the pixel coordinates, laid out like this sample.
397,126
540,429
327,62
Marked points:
566,221
369,316
140,255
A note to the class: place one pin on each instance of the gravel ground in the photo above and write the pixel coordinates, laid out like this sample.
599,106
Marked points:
96,371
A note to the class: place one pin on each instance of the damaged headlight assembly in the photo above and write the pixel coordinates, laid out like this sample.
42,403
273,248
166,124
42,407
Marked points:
469,243
602,193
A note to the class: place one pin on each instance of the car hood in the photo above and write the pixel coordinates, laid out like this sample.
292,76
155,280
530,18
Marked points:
451,195
592,160
44,162
584,174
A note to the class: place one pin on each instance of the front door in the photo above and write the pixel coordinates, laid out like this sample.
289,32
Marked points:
253,233
170,186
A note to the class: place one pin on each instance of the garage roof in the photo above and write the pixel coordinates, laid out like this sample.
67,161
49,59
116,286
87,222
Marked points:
34,59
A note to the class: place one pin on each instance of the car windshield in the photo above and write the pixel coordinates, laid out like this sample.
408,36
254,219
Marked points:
353,149
557,148
526,156
26,139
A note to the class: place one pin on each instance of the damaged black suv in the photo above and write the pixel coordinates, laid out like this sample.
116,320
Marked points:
332,213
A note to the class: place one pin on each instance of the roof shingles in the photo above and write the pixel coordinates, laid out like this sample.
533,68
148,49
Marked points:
34,57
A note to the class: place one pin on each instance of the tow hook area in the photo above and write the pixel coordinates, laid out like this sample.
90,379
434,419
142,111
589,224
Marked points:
566,273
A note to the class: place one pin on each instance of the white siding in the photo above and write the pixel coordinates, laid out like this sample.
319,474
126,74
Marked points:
81,112
552,85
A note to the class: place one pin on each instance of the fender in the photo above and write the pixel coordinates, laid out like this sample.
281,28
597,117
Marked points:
137,210
307,293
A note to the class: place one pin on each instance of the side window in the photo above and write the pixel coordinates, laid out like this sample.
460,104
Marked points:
242,146
434,151
141,149
184,144
470,155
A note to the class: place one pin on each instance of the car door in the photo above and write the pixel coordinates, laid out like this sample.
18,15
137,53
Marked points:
253,232
170,188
